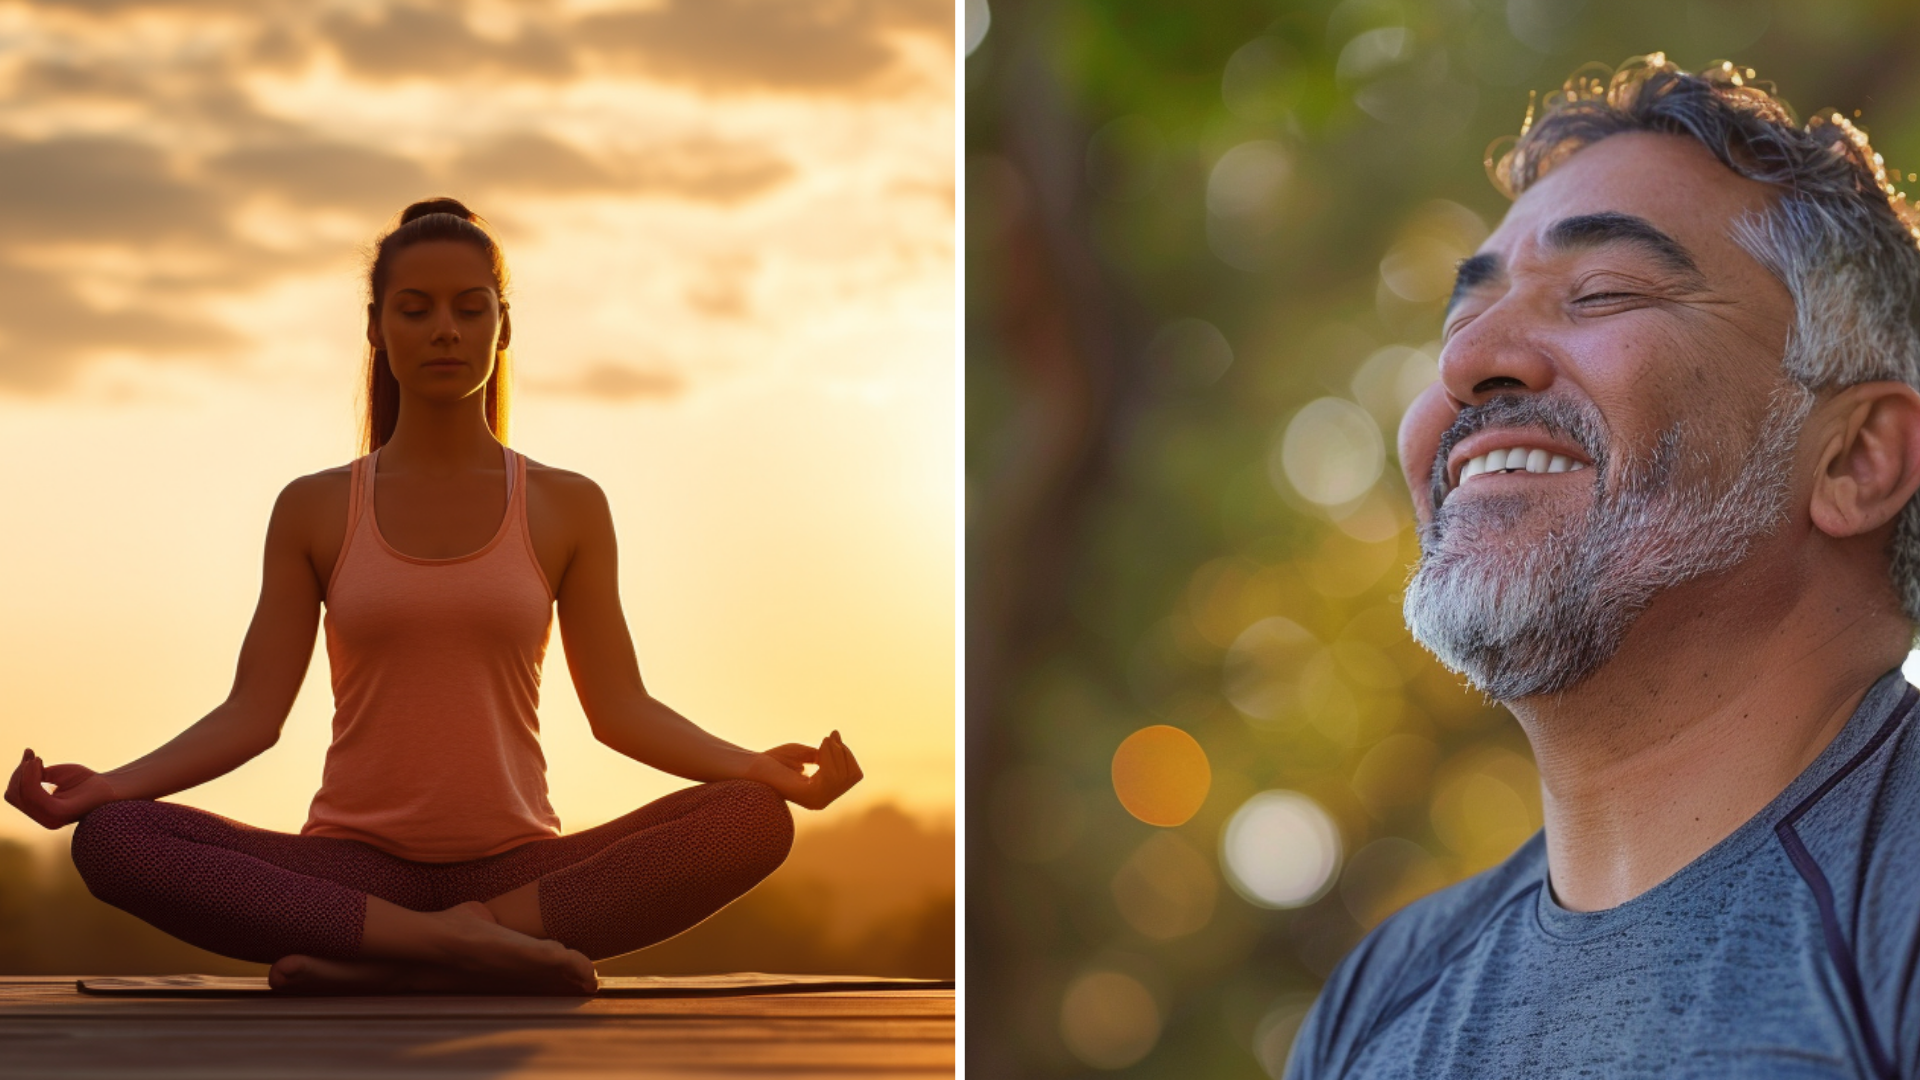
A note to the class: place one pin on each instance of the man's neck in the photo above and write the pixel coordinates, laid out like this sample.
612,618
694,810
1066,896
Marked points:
1712,706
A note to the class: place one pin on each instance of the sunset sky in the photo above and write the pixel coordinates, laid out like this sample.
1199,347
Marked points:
730,228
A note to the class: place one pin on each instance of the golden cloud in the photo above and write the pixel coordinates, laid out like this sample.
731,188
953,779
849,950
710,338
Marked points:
730,45
47,329
132,176
615,382
417,40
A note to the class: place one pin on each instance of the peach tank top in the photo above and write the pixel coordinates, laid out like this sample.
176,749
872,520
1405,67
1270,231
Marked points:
436,676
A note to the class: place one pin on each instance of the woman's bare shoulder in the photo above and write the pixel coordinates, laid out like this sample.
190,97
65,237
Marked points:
316,497
324,486
567,488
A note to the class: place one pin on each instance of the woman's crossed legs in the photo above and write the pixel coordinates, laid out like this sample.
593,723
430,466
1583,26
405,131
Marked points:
338,914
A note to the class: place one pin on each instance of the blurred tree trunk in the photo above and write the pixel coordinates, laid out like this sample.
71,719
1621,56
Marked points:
1070,341
1060,330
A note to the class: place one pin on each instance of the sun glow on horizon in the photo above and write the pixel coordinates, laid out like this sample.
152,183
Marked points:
733,305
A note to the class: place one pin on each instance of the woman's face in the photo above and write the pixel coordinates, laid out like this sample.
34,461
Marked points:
440,320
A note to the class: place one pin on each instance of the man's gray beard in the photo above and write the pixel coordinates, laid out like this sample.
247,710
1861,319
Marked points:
1540,620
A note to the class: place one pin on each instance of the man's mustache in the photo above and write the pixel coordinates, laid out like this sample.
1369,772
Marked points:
1560,417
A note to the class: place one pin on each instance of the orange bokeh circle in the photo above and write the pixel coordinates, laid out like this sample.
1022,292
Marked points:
1161,775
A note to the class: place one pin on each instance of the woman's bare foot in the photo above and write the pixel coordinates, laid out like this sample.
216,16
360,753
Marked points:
507,961
473,953
313,975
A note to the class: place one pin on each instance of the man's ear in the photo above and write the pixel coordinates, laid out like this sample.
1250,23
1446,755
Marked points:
1869,458
373,330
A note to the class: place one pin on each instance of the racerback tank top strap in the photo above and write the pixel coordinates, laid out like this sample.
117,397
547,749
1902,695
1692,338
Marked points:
356,509
436,675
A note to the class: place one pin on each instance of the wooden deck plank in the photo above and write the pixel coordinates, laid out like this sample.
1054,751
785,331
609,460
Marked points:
47,1028
745,983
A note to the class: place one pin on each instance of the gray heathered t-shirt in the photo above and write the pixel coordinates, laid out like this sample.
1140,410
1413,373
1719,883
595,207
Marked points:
1789,949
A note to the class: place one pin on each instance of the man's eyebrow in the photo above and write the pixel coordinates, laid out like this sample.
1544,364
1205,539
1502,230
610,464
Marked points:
1473,272
1612,227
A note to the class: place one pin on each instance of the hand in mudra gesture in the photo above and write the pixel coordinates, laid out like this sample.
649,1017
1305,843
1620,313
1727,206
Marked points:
77,789
784,770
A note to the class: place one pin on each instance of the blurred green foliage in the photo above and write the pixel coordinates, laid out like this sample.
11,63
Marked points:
1185,222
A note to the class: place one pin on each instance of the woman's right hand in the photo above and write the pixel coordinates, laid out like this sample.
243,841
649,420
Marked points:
77,790
783,769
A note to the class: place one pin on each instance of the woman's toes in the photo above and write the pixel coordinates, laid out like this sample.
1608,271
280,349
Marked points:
286,972
583,971
474,909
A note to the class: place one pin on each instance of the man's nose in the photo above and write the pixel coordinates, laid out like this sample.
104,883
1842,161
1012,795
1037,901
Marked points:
1495,352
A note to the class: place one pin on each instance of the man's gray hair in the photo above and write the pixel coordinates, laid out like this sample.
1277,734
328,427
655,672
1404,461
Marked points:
1839,236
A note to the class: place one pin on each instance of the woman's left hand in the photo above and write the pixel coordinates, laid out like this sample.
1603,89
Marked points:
784,771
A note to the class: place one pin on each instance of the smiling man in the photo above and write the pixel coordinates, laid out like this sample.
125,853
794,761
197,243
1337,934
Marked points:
1665,486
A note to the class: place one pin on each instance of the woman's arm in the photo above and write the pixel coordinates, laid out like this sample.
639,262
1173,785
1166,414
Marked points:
273,663
626,718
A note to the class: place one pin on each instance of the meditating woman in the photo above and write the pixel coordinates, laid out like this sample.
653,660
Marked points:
431,859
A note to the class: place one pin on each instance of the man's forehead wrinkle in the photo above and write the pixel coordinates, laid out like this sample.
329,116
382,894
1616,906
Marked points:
1612,227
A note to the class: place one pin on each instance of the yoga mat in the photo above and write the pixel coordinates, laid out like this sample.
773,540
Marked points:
638,986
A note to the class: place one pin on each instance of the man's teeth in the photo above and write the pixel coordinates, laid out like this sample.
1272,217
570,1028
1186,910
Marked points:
1519,459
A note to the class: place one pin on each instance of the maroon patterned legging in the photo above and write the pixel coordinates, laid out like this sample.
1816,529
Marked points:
258,895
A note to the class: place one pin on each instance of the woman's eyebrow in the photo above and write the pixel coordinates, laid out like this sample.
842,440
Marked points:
422,292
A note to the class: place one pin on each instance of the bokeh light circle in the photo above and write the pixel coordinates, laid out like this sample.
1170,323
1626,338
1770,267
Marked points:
1254,84
1166,889
1385,876
1161,775
1262,667
1387,384
979,17
1331,452
1280,850
1034,813
1273,1036
1421,268
1247,178
1108,1020
1193,352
